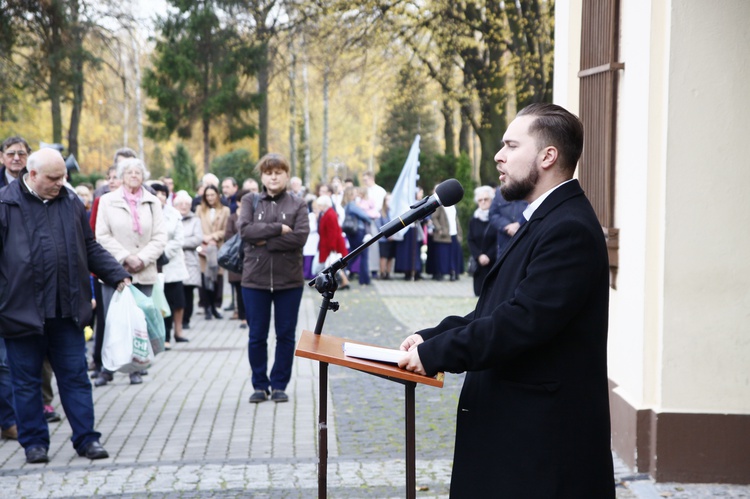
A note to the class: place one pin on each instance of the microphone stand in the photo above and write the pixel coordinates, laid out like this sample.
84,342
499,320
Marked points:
325,281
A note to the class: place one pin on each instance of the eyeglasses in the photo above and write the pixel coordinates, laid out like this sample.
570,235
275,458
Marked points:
20,154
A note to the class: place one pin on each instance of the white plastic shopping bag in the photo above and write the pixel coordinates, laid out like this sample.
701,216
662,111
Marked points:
160,299
126,346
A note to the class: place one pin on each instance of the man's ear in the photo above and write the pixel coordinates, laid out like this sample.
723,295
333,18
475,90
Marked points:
549,156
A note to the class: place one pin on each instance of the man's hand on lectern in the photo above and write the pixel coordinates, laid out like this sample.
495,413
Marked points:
411,361
411,342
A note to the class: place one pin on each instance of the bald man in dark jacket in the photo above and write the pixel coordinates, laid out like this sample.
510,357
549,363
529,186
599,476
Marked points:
47,252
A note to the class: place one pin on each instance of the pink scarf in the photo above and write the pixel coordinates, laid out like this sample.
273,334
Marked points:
132,200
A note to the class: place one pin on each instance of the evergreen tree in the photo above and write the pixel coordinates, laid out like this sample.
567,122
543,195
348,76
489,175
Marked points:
238,164
183,170
156,164
200,66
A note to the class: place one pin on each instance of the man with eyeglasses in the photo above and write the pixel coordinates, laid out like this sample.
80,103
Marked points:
15,152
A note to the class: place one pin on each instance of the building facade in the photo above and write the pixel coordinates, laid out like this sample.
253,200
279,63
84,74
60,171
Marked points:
677,211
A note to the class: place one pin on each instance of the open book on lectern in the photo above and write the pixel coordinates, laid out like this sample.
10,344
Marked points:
369,352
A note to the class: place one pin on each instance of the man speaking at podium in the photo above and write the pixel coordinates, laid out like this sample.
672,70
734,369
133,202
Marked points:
533,416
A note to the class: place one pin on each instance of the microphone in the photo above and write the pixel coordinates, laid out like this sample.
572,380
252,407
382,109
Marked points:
447,193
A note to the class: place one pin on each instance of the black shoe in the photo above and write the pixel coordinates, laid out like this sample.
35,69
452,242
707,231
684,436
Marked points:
279,396
36,454
258,396
208,314
180,339
186,326
135,379
93,450
229,307
95,373
216,314
103,378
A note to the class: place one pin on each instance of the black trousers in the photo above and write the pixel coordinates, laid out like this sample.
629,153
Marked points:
211,298
189,300
239,302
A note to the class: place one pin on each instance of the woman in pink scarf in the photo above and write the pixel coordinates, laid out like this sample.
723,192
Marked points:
131,227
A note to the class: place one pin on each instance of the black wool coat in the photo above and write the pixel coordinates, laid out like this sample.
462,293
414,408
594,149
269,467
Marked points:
533,415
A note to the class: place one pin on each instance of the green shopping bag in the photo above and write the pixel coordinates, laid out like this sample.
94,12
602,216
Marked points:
154,319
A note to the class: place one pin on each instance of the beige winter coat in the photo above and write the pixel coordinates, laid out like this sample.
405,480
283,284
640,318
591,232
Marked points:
213,229
114,231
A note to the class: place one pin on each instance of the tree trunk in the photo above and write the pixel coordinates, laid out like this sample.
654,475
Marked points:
487,165
448,129
56,110
263,80
492,104
125,111
77,79
464,139
206,145
306,129
125,96
324,151
292,111
75,113
138,100
206,120
373,137
54,55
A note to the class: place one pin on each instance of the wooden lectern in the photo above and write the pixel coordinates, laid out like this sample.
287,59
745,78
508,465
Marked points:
328,350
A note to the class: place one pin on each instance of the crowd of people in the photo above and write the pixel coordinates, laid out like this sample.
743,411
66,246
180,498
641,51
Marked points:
430,247
138,231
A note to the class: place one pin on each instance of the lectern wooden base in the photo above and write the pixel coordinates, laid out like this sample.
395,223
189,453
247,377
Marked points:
328,350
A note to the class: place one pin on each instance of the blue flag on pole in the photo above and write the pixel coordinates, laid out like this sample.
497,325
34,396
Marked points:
404,194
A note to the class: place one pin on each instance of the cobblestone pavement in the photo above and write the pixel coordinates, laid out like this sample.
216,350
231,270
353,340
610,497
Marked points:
189,432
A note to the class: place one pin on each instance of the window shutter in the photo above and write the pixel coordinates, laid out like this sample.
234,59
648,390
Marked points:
600,31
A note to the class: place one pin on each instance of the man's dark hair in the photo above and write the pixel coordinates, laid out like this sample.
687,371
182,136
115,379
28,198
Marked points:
232,179
558,127
16,139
